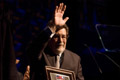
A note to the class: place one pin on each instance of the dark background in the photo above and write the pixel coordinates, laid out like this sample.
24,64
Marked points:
29,17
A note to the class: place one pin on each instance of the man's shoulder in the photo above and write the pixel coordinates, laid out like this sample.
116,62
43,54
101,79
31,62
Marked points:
71,53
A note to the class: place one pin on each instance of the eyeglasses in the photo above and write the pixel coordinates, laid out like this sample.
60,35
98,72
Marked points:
57,36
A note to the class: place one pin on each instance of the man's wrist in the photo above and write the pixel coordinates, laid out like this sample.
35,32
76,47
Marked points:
49,32
52,35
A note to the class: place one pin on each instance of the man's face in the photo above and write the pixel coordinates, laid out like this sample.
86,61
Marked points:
59,40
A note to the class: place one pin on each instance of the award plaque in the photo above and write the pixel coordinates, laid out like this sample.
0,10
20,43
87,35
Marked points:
53,73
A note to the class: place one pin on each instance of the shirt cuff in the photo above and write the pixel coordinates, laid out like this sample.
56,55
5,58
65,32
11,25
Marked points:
52,35
49,32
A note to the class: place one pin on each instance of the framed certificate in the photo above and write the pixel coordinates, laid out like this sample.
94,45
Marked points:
53,73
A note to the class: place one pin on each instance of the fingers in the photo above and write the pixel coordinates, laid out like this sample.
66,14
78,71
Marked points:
56,9
58,15
64,8
28,68
66,19
27,73
61,8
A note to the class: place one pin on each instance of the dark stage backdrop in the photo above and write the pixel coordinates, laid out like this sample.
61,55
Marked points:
8,70
29,17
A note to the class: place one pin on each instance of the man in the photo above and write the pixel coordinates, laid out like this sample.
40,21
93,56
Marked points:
50,43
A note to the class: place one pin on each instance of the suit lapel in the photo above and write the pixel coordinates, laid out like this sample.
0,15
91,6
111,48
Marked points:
51,60
66,60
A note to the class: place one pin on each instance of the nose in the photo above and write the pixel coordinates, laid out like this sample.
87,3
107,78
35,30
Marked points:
60,39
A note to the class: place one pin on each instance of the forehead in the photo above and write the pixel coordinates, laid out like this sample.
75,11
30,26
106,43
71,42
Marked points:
62,31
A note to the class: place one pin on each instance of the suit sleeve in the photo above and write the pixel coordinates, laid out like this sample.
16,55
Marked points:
79,73
37,46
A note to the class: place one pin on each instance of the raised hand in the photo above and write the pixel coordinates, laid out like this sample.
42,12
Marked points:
58,15
27,73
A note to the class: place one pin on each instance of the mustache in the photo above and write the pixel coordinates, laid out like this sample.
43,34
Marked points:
61,44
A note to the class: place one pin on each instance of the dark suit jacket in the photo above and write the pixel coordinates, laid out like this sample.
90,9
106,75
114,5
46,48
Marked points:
41,55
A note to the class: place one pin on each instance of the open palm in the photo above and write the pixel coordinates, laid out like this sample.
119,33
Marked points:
58,16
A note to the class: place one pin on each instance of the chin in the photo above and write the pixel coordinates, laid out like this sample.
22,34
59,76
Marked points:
60,50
